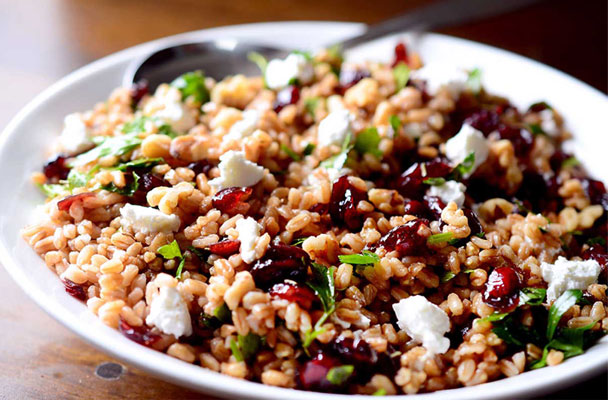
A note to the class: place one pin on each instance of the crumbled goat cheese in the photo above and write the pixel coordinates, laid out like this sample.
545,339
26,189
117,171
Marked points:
334,173
565,274
243,128
334,128
281,73
249,230
236,170
468,140
424,322
74,138
438,75
168,108
548,124
148,219
449,191
169,313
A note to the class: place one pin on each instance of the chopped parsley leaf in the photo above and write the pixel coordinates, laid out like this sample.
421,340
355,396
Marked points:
367,141
339,375
365,258
440,238
401,73
192,84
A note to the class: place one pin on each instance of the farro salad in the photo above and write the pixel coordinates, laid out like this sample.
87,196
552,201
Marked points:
330,226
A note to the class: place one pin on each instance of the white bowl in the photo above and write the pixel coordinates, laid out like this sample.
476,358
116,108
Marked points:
24,144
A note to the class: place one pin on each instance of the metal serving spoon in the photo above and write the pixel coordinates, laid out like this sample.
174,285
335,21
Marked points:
222,57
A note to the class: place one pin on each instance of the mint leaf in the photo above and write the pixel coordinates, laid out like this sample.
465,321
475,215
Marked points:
170,251
440,238
395,123
434,181
245,347
145,163
111,146
223,313
310,147
368,141
570,162
535,129
128,190
339,375
53,189
324,287
294,156
464,168
559,307
192,84
166,129
138,125
474,81
365,258
532,296
401,73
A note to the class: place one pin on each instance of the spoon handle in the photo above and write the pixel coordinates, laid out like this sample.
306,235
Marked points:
438,14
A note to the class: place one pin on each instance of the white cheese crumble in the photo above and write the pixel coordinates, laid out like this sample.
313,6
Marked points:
147,219
424,322
169,313
334,128
249,230
449,191
280,73
547,123
74,138
171,111
468,140
245,127
438,75
565,275
236,170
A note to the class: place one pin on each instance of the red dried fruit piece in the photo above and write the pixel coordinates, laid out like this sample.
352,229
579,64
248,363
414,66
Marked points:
400,54
598,253
139,334
343,204
405,238
75,290
232,200
294,293
434,206
366,360
502,289
522,139
415,207
596,192
411,183
150,181
56,168
285,97
280,262
474,223
225,248
350,76
319,208
313,374
483,120
138,90
65,204
201,166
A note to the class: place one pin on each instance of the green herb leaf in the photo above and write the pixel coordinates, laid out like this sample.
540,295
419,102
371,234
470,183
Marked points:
192,84
166,130
323,285
535,129
144,163
596,240
294,156
258,60
474,81
299,241
365,258
532,296
127,190
180,267
223,313
481,235
543,104
368,141
543,229
236,351
311,104
570,162
337,161
448,276
395,123
401,73
80,179
513,332
170,251
440,238
380,392
559,307
245,347
138,125
434,181
53,189
310,147
112,146
464,168
495,317
339,375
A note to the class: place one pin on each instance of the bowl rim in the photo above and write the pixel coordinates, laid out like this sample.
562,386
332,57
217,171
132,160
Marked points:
156,363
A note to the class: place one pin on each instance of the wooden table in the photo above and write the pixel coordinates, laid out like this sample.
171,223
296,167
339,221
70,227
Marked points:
43,40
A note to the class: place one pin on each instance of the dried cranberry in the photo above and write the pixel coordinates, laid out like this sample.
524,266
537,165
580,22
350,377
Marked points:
140,334
557,159
287,96
540,192
280,262
138,90
411,182
502,288
486,121
598,253
149,181
349,76
74,289
415,207
56,168
319,208
225,248
596,191
405,238
201,167
294,293
521,139
313,374
366,360
434,206
65,204
474,223
400,54
232,200
343,204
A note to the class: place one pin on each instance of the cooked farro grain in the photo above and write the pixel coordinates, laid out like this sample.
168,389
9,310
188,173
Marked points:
331,207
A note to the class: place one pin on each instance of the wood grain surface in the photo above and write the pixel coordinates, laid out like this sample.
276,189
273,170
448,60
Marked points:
41,41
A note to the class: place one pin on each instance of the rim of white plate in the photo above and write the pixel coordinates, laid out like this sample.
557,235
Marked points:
201,379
